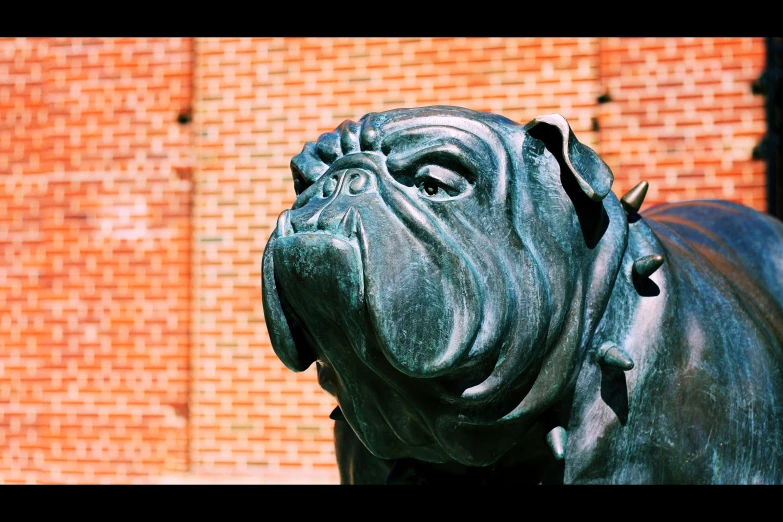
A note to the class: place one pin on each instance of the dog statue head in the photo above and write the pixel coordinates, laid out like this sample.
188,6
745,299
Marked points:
446,269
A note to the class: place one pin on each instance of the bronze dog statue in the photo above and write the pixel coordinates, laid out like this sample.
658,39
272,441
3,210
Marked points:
485,310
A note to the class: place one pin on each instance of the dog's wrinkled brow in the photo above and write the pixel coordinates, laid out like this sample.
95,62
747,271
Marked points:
443,145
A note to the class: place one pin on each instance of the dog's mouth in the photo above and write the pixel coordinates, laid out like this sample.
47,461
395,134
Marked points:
319,291
316,274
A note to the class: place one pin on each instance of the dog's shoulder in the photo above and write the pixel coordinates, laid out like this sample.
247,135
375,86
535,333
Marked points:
709,355
738,241
725,279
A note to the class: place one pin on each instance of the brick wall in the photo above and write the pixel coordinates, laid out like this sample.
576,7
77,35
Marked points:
97,234
683,117
94,278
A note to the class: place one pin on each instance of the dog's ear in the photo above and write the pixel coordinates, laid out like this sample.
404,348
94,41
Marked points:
590,172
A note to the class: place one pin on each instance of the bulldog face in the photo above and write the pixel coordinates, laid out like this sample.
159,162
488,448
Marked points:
436,265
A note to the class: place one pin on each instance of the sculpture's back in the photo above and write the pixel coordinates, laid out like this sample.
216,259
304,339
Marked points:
484,309
703,402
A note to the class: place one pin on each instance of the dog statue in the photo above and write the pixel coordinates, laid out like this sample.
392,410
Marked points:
485,310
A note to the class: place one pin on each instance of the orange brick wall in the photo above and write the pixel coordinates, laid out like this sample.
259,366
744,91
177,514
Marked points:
683,117
89,142
95,242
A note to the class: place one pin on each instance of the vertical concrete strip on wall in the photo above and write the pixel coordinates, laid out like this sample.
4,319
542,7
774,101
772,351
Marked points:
94,273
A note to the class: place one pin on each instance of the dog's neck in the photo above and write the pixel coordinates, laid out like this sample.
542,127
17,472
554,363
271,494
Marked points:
599,264
632,295
616,300
637,308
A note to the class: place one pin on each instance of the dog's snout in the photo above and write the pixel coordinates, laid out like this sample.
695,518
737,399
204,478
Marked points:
340,190
348,181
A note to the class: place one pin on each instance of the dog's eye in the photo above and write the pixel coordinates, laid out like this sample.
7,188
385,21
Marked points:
429,187
439,183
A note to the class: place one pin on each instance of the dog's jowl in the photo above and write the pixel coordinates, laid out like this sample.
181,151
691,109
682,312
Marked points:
485,310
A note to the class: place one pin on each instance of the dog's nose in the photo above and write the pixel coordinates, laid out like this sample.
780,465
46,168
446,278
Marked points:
348,181
350,187
345,190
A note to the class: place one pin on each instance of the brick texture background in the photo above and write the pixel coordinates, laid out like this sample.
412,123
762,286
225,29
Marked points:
95,271
683,117
133,341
